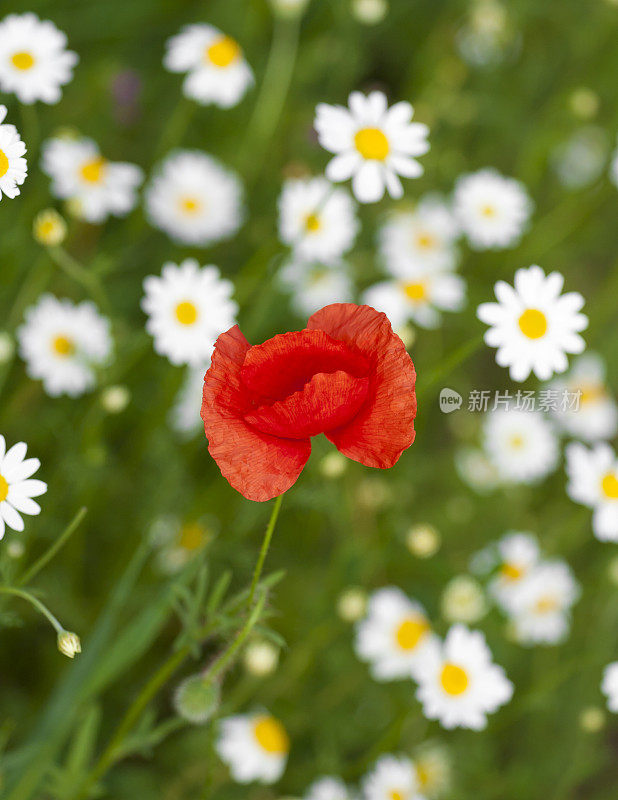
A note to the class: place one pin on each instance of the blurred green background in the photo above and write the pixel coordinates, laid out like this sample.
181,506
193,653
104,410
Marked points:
130,469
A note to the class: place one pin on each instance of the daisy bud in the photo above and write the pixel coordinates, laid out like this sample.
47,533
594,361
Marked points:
49,228
69,644
261,658
352,604
584,103
197,699
7,347
423,541
592,719
288,8
463,600
369,12
333,465
115,399
15,549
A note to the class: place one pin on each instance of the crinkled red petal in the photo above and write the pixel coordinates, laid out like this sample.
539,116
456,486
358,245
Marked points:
326,402
384,426
256,464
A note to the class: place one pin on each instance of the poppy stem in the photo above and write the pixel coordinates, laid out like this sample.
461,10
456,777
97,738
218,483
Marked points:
270,528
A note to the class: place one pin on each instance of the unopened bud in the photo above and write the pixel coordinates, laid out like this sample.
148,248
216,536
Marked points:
423,541
369,12
197,699
115,399
352,604
261,658
49,228
69,644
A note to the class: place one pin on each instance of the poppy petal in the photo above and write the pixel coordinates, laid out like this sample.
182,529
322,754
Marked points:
384,426
256,464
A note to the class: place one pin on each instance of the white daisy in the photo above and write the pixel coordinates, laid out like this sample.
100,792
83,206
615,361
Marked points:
255,747
518,555
373,144
420,297
96,187
62,342
328,788
187,308
194,199
493,211
314,285
395,636
423,237
17,486
476,470
593,482
609,686
596,416
216,69
185,413
34,61
13,165
177,542
521,444
392,778
316,220
541,606
459,684
533,325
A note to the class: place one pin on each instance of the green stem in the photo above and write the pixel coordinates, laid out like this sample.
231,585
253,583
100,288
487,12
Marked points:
264,549
77,272
228,655
30,598
57,545
460,355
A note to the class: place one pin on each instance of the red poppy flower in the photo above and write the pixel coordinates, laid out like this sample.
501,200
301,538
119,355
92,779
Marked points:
346,375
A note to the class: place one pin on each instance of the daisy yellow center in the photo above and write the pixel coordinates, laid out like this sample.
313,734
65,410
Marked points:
609,486
424,775
92,171
4,163
416,291
46,228
533,323
312,223
516,441
425,241
511,572
191,536
63,346
190,205
22,60
223,52
271,736
488,211
591,393
454,679
4,488
394,794
546,604
186,312
410,632
371,143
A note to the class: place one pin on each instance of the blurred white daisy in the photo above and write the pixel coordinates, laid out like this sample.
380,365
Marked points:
314,285
459,684
423,237
521,444
581,159
13,165
373,144
596,415
476,470
194,199
593,482
463,600
420,297
433,770
255,747
188,306
492,210
518,554
216,68
34,61
392,778
533,325
316,220
541,605
177,542
185,413
62,342
96,187
328,788
17,486
609,686
395,636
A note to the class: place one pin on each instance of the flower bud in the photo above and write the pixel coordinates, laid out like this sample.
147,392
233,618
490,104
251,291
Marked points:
115,399
352,604
69,644
288,8
369,12
197,699
49,228
463,600
423,541
261,658
584,103
333,465
592,719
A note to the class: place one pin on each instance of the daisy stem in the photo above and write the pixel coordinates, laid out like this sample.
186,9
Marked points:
270,528
57,545
30,598
77,272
